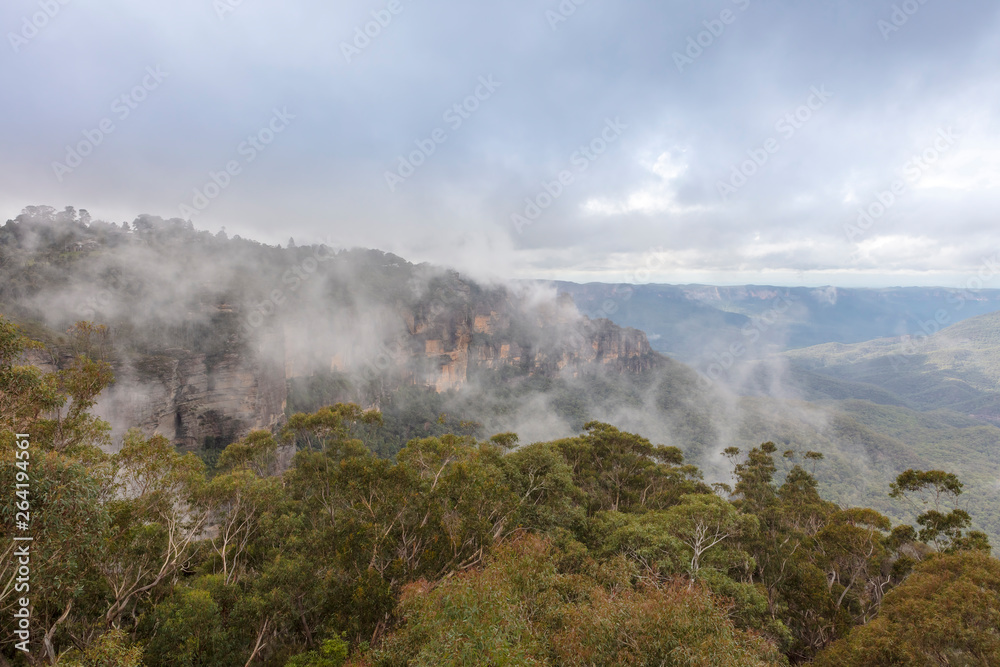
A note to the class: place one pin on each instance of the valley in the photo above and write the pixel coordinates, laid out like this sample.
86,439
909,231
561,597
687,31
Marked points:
211,358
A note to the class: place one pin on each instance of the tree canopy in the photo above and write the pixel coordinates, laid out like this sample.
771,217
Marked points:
303,547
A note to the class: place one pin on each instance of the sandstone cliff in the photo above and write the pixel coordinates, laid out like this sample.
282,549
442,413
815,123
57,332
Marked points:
445,346
196,401
208,331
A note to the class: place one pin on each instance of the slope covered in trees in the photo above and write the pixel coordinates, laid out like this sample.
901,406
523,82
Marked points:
956,368
602,548
181,307
690,322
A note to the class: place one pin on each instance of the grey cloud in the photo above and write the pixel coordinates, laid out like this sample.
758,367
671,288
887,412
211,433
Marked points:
325,174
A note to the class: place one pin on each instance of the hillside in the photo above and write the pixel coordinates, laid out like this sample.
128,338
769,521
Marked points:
206,332
957,368
600,548
210,337
693,323
922,401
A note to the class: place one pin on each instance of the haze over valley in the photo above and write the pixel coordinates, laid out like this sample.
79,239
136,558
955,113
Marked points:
230,335
569,333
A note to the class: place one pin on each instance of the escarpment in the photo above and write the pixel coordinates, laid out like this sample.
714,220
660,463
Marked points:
205,333
445,346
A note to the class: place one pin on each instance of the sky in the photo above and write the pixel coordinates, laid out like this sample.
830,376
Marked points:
843,142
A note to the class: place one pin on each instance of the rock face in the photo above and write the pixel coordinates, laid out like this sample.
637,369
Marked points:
444,347
197,401
205,331
206,398
205,402
454,352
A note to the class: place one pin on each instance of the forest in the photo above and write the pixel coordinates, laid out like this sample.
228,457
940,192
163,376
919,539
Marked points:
304,548
178,303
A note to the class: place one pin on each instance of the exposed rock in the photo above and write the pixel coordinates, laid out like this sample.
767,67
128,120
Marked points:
205,400
444,347
188,315
197,401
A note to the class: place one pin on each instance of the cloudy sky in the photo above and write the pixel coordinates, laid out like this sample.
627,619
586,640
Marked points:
846,142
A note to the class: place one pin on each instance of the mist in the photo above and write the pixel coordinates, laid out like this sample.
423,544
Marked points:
213,336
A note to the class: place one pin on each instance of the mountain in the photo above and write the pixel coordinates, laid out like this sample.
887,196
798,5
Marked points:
925,401
210,337
956,369
205,333
879,381
697,323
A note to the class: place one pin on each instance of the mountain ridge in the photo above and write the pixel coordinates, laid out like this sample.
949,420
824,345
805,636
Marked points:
206,331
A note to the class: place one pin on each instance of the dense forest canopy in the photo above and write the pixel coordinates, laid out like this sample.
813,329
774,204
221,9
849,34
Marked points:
603,548
187,311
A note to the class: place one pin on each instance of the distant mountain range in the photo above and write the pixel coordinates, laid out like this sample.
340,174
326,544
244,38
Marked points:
956,369
879,379
210,336
696,323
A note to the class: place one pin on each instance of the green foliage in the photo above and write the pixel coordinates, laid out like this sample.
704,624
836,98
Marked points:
505,440
331,653
26,393
621,471
70,526
521,609
156,520
112,649
53,407
943,529
934,481
946,612
256,452
189,631
672,625
598,549
479,617
543,481
332,425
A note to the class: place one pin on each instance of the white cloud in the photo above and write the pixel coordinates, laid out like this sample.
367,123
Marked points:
656,187
658,195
